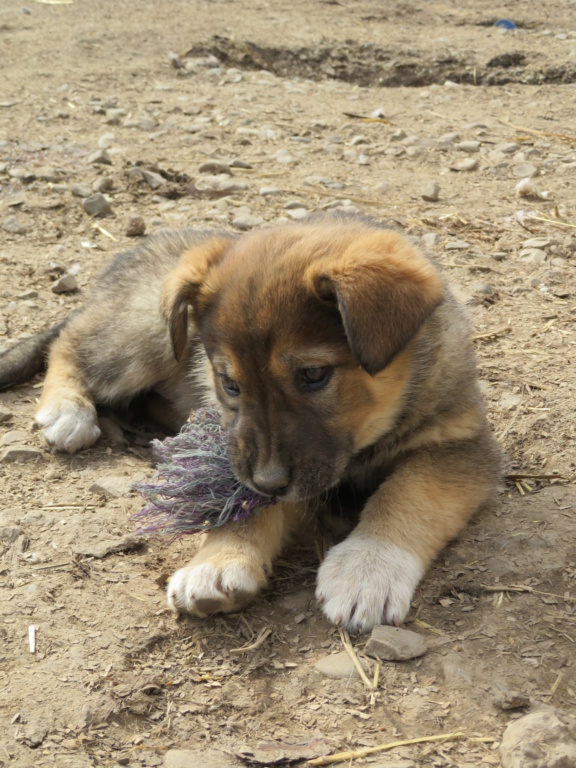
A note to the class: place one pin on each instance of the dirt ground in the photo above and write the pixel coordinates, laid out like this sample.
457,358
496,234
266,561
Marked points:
281,88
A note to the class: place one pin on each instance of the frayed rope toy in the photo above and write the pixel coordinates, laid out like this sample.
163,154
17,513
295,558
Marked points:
195,489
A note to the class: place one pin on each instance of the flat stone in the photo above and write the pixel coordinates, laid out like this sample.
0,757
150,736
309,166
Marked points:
195,758
537,242
9,533
544,739
507,148
222,183
431,191
5,415
20,454
112,486
457,245
525,171
22,174
14,437
100,549
269,191
533,256
96,205
337,665
65,284
29,294
394,644
13,226
215,167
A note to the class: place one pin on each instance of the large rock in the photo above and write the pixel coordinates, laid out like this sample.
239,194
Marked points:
543,739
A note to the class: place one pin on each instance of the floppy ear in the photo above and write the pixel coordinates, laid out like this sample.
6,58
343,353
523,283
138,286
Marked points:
183,286
384,289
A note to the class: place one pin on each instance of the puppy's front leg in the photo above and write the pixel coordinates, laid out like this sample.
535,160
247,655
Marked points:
234,563
371,576
67,413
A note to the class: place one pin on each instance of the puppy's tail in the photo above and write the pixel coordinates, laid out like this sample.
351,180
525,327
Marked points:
27,357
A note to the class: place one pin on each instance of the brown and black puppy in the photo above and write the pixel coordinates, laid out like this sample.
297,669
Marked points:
336,356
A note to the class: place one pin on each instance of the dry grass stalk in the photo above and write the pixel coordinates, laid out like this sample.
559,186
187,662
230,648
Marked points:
344,636
375,684
554,687
340,757
262,635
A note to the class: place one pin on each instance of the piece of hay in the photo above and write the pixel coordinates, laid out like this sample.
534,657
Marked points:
195,489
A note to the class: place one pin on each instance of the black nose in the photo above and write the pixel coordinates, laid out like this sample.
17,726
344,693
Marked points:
270,481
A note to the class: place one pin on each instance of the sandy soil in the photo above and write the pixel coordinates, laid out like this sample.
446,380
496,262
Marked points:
166,87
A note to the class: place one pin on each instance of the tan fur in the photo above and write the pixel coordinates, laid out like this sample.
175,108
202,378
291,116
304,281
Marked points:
338,357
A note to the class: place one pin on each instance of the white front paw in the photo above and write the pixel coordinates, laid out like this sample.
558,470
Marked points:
365,581
209,588
69,426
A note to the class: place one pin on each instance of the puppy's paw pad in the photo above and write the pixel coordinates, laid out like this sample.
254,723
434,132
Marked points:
208,588
364,581
69,426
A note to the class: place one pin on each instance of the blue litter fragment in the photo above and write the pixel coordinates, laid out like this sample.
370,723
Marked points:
505,24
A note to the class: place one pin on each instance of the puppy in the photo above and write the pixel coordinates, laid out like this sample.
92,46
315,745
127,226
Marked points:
338,359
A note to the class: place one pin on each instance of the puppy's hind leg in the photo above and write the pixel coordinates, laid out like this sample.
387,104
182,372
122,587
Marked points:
67,414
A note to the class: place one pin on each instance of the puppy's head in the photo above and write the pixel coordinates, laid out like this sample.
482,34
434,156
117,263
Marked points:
308,330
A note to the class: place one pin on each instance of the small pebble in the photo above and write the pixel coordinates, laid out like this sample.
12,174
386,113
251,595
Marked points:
246,221
153,179
430,239
65,284
238,163
81,190
297,214
103,184
46,173
100,157
470,164
398,135
136,227
269,191
394,644
431,191
512,700
96,205
468,146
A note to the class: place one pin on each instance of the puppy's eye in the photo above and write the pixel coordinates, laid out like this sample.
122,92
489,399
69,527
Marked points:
314,378
229,385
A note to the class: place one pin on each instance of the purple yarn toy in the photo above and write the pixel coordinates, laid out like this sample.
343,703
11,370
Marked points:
195,489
